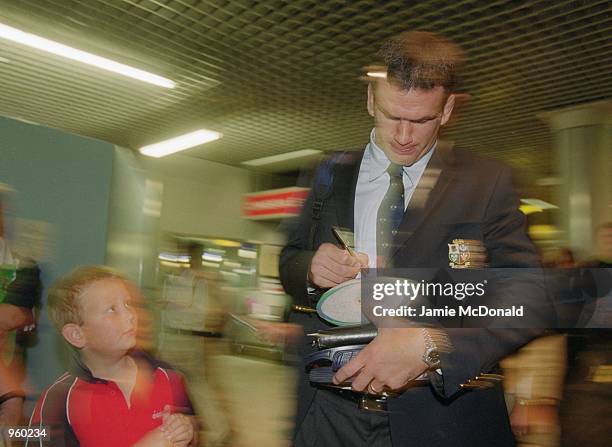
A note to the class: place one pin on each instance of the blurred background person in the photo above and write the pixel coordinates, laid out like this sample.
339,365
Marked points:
566,286
192,320
19,294
603,252
586,415
533,385
597,281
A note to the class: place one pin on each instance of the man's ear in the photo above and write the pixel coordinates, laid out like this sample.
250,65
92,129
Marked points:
371,99
74,335
448,109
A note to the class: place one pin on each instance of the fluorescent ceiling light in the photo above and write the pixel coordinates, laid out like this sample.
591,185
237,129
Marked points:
31,40
539,204
180,143
212,257
529,209
211,264
281,157
250,271
549,181
377,74
173,264
173,258
232,264
225,243
247,254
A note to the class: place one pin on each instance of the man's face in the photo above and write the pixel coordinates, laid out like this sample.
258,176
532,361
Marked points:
407,121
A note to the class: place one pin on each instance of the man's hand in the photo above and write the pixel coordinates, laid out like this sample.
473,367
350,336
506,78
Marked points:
178,428
388,363
332,265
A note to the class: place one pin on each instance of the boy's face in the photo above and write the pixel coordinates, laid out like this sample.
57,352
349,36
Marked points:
109,322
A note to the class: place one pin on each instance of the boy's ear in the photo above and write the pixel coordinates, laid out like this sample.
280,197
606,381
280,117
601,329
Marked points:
74,335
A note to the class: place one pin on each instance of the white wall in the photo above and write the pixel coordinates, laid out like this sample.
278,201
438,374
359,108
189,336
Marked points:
177,194
204,198
64,181
133,227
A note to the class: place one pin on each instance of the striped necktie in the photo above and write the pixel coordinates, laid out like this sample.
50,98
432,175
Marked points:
390,213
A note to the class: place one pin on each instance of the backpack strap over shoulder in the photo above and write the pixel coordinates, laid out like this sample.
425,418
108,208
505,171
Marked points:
322,189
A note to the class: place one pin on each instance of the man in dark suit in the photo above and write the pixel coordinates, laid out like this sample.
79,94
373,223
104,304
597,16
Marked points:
447,194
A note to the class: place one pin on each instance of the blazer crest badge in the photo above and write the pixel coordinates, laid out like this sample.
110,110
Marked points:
465,253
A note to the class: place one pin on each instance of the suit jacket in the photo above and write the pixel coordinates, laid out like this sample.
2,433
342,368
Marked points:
463,196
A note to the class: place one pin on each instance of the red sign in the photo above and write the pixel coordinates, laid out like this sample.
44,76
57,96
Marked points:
274,204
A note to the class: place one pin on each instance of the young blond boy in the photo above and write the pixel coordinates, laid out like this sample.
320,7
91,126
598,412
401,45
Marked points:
114,395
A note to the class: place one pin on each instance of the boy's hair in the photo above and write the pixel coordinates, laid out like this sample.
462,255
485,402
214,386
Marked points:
63,300
422,60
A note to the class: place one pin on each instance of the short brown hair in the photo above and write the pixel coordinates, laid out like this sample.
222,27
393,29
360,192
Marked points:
422,60
63,302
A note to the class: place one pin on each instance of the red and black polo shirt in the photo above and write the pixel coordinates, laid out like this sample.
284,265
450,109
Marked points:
82,410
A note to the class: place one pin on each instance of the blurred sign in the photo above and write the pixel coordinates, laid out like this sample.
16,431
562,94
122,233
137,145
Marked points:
274,203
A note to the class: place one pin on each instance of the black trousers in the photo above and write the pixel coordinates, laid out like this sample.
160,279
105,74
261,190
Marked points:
334,421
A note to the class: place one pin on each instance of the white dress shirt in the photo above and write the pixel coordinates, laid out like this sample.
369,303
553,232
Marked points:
372,185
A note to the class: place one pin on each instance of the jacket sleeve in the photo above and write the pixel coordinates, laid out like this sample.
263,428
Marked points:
478,350
295,258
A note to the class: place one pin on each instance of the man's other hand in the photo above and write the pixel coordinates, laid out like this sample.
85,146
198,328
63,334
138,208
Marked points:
332,265
388,363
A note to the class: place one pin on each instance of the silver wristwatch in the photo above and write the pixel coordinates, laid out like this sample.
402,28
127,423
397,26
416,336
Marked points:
431,356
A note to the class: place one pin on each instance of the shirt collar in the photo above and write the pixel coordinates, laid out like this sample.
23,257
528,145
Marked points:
79,369
378,162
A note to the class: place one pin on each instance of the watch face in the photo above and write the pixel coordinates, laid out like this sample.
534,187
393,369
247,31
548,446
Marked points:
432,357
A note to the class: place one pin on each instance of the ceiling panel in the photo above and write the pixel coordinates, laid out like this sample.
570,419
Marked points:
284,75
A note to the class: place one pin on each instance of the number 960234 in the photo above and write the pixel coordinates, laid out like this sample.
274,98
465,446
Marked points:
25,433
